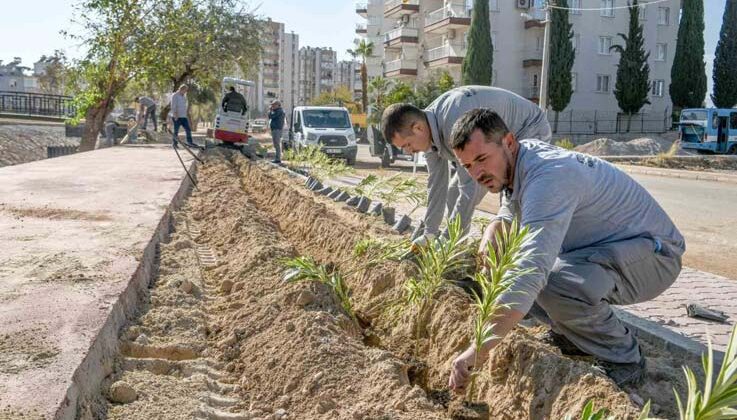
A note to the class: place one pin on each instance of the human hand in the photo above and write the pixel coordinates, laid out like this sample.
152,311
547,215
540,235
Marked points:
462,368
489,238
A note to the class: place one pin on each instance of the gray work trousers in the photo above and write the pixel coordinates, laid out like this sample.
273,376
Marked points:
584,283
276,141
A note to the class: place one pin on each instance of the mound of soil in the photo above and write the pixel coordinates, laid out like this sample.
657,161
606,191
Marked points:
223,336
638,147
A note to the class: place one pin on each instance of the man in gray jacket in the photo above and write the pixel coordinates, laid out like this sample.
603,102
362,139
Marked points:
415,130
603,240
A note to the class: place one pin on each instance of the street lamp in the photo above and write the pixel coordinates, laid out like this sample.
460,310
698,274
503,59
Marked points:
543,101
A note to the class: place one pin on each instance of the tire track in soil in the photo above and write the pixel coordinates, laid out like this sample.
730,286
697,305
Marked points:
220,336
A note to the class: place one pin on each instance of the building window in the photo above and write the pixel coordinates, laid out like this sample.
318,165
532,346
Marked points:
575,41
574,81
607,8
605,45
538,43
575,6
493,6
658,87
494,39
663,15
642,12
733,121
602,83
661,52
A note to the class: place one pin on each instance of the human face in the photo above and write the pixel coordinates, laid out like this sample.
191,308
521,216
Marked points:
415,139
489,163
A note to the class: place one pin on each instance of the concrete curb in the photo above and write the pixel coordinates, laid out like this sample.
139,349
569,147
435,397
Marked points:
678,173
674,343
98,362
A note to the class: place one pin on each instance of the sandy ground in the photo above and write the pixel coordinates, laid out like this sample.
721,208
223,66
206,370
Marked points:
221,335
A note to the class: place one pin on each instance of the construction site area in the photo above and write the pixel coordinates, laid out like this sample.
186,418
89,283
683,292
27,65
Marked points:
129,293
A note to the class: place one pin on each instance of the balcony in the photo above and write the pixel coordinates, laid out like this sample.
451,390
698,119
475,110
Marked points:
449,54
536,20
453,16
532,58
362,9
397,37
401,67
395,8
361,29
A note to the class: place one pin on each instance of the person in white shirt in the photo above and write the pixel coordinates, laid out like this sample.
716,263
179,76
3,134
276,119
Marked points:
179,116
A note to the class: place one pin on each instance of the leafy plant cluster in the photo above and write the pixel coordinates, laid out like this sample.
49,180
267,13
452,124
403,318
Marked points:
390,190
320,165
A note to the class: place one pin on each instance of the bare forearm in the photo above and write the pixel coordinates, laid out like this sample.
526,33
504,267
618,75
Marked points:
504,322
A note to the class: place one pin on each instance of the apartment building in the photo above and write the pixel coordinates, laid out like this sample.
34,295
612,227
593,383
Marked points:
348,75
317,70
278,69
372,29
14,77
429,35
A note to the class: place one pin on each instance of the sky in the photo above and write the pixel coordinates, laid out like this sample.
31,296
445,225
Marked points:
30,28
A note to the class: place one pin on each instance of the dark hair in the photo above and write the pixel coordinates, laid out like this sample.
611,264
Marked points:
397,118
484,119
137,98
232,88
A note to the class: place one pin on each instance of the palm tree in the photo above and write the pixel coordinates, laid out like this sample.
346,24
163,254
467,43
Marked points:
378,88
363,49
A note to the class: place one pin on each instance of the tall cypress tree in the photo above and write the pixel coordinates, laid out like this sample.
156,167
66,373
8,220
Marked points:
632,86
688,74
476,67
725,60
562,55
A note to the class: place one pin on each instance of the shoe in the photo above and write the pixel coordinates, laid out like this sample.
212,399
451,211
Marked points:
624,374
560,341
275,161
175,145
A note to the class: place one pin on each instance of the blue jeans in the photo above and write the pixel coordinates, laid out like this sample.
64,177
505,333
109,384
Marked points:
182,122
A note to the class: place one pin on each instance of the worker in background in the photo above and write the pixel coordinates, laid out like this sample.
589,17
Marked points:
414,130
276,123
234,101
179,116
603,240
147,110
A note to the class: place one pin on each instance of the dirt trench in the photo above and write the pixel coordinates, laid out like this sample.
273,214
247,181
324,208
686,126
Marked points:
221,336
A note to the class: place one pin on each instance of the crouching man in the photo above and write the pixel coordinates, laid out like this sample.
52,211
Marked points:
603,241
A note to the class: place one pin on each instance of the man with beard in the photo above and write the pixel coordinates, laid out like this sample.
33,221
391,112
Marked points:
603,240
415,130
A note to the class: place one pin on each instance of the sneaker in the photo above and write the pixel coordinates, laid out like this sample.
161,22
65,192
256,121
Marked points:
560,341
623,374
175,145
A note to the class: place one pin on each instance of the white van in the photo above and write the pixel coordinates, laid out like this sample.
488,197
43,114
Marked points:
327,126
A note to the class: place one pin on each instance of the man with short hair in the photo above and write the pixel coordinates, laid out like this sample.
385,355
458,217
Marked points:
179,116
234,101
603,240
148,110
276,123
414,130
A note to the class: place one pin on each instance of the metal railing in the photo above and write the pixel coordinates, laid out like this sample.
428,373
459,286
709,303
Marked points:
360,27
609,122
361,6
399,64
36,104
444,51
400,32
451,10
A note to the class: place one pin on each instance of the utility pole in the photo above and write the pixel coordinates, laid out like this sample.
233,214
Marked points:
546,61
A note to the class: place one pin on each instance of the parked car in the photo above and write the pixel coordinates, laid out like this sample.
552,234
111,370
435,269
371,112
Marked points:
326,126
259,125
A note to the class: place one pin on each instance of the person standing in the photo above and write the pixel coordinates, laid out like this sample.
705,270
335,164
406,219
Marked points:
179,116
148,110
276,123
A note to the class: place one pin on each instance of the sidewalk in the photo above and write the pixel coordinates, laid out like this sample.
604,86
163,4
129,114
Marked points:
679,173
79,235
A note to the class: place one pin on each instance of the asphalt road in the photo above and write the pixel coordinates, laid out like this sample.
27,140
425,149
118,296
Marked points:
704,211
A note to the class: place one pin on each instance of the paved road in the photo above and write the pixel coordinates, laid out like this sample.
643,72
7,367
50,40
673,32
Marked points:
704,211
706,214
